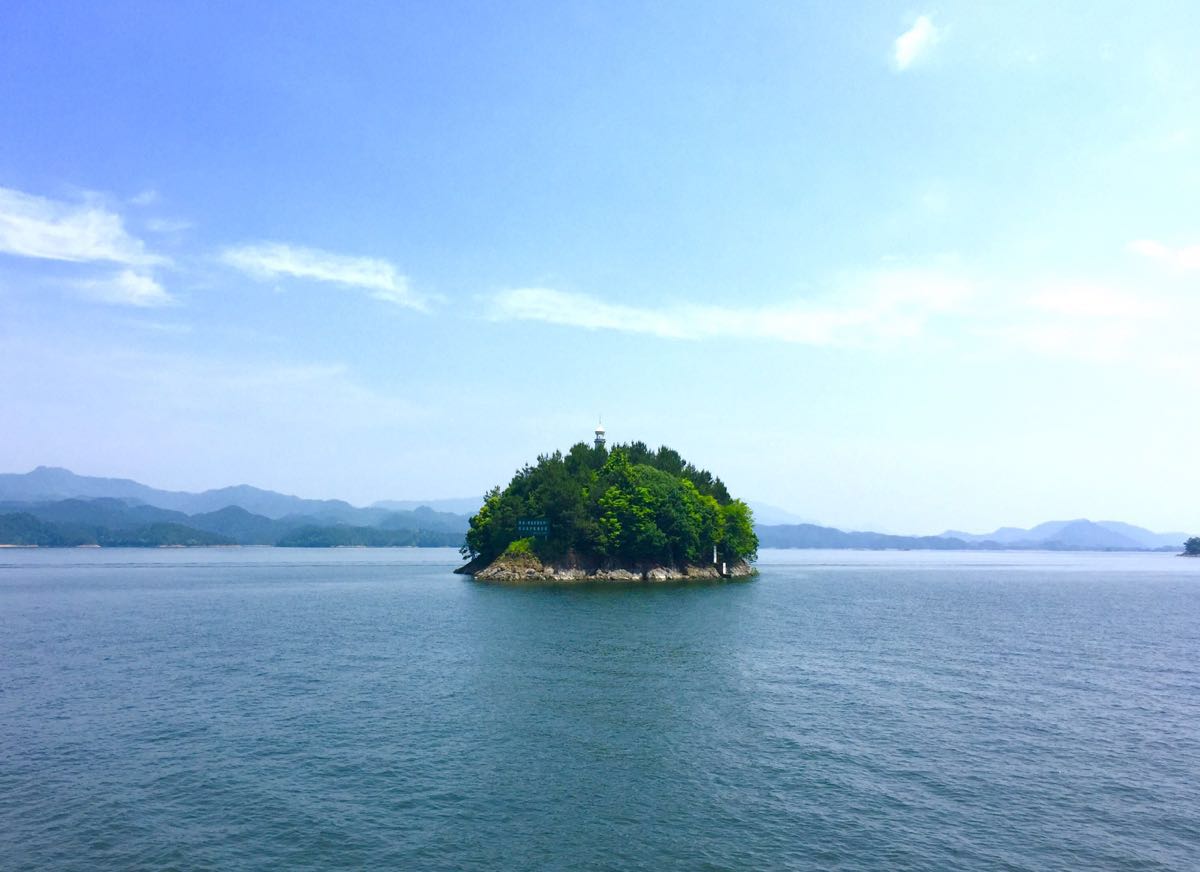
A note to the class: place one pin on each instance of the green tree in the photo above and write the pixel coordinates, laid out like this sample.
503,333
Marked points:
1192,546
740,540
627,503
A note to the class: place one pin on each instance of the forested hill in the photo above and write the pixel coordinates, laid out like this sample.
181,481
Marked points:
624,504
52,484
115,522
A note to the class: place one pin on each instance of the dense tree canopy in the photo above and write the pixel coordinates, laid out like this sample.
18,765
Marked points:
627,504
1192,546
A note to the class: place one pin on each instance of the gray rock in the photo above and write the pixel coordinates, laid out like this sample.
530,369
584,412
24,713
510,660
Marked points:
527,569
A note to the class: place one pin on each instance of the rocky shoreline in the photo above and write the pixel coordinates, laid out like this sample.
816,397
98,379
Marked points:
527,568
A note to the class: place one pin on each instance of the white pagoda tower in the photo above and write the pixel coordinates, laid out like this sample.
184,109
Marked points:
600,435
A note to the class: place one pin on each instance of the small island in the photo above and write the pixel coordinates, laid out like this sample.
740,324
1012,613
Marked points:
625,514
1191,548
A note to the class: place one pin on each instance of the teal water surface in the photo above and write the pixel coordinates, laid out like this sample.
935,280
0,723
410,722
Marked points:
275,708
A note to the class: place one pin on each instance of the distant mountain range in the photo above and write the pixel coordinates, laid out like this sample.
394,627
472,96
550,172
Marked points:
109,521
815,536
1078,535
49,483
766,514
53,506
461,506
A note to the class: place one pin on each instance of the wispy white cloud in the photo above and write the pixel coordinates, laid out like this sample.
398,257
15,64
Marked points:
1083,320
1103,342
915,43
168,225
160,327
1149,248
38,227
1093,322
883,307
1187,257
271,260
1095,301
127,288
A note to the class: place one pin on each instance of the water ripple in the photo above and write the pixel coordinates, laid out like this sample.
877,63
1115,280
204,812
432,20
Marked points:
276,710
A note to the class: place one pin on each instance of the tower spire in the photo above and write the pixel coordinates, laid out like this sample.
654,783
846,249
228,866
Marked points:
600,433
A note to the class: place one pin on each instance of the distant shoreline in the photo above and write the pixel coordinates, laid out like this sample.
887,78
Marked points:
963,550
53,507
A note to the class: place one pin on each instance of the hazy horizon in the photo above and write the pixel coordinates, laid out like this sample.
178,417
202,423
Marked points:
765,513
891,267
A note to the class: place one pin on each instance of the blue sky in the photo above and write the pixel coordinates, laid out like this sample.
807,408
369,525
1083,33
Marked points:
880,264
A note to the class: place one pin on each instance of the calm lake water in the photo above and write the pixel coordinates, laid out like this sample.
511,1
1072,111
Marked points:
272,708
